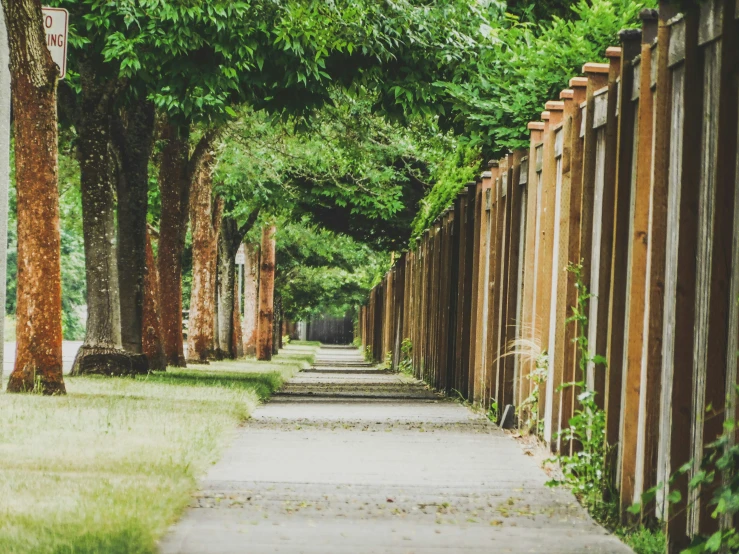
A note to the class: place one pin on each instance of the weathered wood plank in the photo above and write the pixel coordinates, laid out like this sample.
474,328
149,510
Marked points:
512,287
719,356
632,446
573,176
556,308
546,249
477,294
627,123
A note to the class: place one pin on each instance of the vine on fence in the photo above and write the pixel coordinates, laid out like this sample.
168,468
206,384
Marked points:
586,469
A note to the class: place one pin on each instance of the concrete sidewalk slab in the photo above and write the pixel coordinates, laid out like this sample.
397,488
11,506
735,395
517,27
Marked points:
377,463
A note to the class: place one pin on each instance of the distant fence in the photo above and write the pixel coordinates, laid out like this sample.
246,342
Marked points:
634,171
331,330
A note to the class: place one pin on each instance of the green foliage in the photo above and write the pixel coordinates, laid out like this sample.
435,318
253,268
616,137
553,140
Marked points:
645,541
494,412
450,174
522,64
717,473
529,408
346,168
406,357
586,471
323,273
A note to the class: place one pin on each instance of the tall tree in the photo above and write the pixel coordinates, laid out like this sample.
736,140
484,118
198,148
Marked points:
229,240
38,364
152,339
265,323
4,165
251,298
134,136
102,351
205,218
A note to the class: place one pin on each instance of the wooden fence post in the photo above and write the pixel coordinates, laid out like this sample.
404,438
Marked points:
483,253
513,271
477,297
546,254
632,445
533,201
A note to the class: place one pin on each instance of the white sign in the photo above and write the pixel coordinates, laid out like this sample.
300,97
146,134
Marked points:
240,255
56,26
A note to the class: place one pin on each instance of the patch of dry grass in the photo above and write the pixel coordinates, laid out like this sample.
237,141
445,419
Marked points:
109,466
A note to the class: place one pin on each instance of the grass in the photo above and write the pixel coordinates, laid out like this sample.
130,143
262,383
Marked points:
646,541
111,465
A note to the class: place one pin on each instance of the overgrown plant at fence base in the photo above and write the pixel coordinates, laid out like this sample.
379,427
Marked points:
530,351
586,469
406,357
717,474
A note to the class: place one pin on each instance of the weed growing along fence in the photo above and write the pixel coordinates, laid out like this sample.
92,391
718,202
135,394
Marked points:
633,170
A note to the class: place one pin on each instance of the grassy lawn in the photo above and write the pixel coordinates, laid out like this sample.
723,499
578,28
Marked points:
110,466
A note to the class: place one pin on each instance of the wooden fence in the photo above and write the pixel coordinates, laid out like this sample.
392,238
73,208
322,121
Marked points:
634,171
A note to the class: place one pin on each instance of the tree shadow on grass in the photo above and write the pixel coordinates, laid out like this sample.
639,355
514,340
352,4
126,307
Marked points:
264,384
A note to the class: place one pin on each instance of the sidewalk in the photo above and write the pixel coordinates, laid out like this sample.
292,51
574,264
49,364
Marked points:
349,461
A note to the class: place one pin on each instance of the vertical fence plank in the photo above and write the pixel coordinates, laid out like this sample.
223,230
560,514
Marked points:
500,280
720,164
627,119
475,317
530,260
482,288
512,287
554,347
634,374
546,250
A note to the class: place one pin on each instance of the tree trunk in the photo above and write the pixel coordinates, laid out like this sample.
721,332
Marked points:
226,286
152,339
38,363
134,139
102,352
277,327
251,299
230,239
205,217
4,168
237,342
265,328
174,188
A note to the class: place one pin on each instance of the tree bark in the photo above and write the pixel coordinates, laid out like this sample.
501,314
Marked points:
134,134
230,239
38,364
251,299
177,172
152,339
226,286
174,188
205,217
4,167
102,352
265,328
237,341
277,326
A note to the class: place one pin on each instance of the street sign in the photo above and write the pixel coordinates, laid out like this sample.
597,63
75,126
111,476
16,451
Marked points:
240,256
56,26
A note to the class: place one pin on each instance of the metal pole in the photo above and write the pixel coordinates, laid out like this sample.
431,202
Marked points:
4,172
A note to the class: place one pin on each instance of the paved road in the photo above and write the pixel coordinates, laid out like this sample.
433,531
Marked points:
69,351
347,460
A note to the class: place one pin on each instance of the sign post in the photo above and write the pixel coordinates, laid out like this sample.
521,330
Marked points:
4,172
56,26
